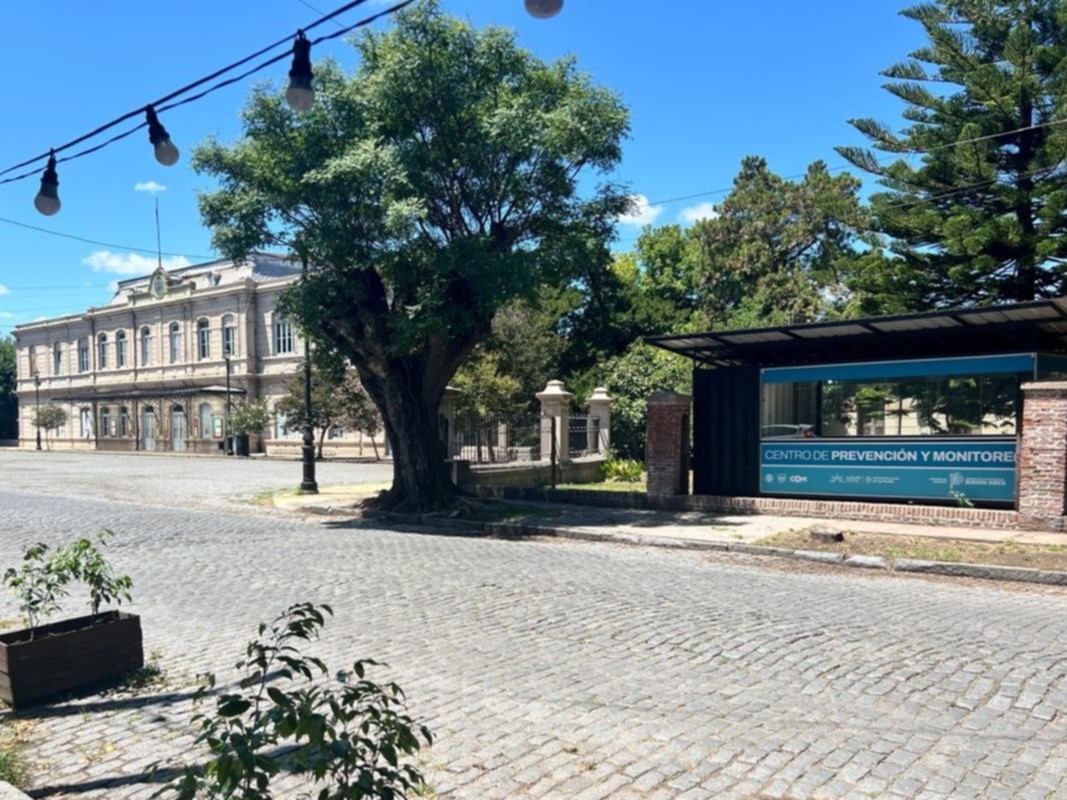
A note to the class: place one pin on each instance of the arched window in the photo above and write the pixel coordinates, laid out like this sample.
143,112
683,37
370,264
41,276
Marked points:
283,335
57,358
120,349
124,421
175,342
146,346
101,351
203,339
105,421
83,354
229,336
207,424
86,415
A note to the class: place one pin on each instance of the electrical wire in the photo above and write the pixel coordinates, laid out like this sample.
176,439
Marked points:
165,103
150,251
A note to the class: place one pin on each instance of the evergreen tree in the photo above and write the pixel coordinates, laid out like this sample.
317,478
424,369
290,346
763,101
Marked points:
979,215
9,407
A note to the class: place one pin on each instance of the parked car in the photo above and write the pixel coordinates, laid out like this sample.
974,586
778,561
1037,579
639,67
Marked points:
784,431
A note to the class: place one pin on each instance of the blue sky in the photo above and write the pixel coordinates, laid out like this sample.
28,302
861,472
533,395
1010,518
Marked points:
707,83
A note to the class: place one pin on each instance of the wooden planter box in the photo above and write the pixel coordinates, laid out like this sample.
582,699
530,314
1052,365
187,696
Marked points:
68,655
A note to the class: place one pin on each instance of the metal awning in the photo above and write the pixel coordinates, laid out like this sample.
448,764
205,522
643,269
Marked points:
1038,326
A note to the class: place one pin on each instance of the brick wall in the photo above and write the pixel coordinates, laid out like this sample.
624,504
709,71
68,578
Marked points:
1042,456
667,444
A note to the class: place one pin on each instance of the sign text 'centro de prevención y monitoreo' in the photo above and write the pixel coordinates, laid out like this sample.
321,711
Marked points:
983,470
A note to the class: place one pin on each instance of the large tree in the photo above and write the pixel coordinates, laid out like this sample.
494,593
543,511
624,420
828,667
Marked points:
433,187
777,250
978,214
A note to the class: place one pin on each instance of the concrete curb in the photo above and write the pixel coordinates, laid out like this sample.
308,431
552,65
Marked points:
429,523
9,792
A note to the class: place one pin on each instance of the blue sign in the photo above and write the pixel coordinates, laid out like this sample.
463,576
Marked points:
905,469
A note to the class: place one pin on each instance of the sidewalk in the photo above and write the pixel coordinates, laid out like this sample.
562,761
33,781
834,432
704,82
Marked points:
695,530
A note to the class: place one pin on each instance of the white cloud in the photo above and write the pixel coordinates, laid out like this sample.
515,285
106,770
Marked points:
4,290
130,263
641,213
6,315
698,212
149,186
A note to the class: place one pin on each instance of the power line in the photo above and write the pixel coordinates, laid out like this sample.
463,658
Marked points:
171,101
887,157
149,250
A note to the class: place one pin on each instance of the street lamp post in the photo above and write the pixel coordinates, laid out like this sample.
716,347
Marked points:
37,406
307,450
227,440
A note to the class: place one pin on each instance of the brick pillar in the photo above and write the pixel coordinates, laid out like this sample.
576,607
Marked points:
556,403
667,444
1041,462
600,407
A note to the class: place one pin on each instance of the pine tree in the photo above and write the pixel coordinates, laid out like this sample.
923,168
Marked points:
975,211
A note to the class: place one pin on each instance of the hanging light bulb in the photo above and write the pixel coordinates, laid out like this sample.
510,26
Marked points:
166,152
300,96
543,9
47,199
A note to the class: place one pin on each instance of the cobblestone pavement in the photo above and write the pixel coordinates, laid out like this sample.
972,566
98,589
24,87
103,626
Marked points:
575,670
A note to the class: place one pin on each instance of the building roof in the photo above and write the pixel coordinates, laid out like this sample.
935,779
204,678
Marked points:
1038,326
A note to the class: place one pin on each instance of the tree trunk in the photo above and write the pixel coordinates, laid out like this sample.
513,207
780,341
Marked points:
409,398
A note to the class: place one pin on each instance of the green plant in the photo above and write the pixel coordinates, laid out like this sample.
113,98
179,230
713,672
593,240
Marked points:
349,740
622,470
249,417
42,579
962,500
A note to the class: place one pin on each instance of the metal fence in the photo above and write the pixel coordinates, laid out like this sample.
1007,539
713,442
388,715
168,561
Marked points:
483,440
584,436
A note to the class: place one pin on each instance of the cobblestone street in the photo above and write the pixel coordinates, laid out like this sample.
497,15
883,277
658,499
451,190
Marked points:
559,669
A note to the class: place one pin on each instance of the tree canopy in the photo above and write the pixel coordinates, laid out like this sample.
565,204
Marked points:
427,191
9,407
973,211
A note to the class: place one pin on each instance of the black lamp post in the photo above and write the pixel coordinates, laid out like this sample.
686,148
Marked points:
227,441
307,451
37,410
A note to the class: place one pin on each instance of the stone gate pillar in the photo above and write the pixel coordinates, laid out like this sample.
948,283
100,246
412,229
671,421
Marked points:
1041,462
667,444
556,403
600,407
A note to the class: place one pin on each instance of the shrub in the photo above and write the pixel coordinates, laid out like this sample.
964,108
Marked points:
350,740
622,470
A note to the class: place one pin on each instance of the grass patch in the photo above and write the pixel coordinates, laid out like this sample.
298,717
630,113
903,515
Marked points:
607,486
928,548
508,512
14,734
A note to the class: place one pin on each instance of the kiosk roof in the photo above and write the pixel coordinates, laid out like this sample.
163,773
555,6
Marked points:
1038,326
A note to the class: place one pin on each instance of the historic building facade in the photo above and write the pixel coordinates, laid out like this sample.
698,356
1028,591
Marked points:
152,369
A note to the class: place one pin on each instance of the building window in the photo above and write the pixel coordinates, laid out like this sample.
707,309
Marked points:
229,336
337,433
207,423
120,349
83,355
283,335
175,342
105,421
101,347
57,359
86,423
124,421
146,346
33,359
203,339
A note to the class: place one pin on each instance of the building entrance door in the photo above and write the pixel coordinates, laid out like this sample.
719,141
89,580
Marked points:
177,429
148,429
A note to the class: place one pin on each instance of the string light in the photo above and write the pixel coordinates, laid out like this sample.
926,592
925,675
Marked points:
47,199
300,95
166,152
543,9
